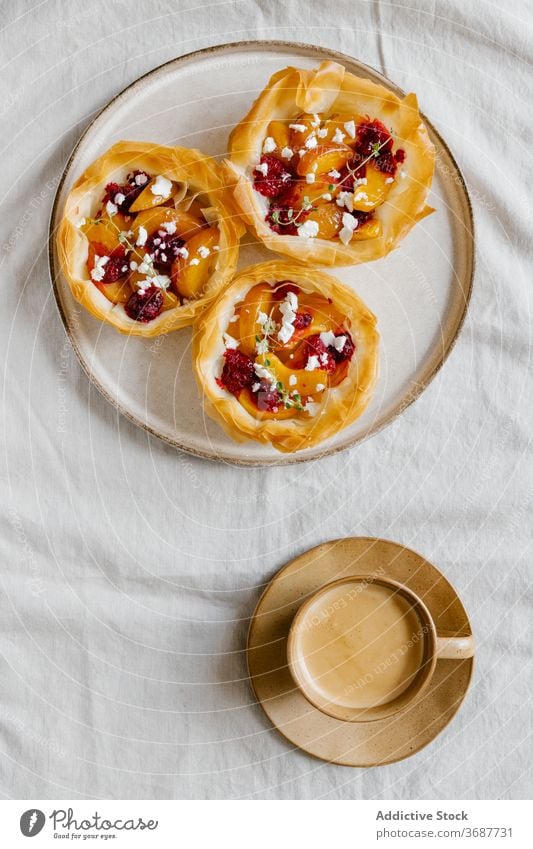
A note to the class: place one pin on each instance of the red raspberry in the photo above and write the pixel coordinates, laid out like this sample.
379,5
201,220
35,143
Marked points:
279,221
275,181
115,268
347,351
302,320
145,306
326,360
400,156
370,134
238,371
283,288
129,189
267,397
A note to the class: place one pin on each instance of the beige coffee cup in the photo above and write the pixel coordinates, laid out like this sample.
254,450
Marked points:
365,647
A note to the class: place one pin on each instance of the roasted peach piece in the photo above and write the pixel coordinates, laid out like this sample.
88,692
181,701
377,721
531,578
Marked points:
324,158
170,300
369,230
157,191
258,299
186,223
328,216
117,293
303,382
342,124
301,128
103,232
370,195
280,132
189,276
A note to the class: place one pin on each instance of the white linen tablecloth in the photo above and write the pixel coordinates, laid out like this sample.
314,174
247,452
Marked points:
129,570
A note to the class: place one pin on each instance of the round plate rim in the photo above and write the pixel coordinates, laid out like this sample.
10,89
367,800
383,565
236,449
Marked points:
284,459
259,701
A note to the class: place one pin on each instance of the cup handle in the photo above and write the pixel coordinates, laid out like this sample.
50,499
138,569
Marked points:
455,648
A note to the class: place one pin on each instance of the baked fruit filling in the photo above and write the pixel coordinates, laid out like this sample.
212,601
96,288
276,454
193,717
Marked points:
324,177
150,247
284,348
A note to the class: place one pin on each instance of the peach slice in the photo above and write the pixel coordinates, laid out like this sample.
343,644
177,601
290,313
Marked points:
324,158
280,132
117,293
103,231
328,216
147,199
298,136
306,381
190,275
367,197
186,223
337,122
258,299
369,230
170,300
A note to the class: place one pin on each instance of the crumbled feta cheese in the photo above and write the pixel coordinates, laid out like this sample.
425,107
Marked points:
262,346
134,265
322,133
216,247
339,343
286,153
360,196
310,178
326,196
264,373
262,167
142,236
320,387
269,145
146,265
81,222
324,359
111,208
345,199
256,387
203,251
98,271
119,198
334,174
311,142
141,179
345,235
194,261
293,380
262,318
389,180
339,137
308,230
316,120
169,226
161,187
312,363
233,319
302,152
349,126
161,281
230,342
362,181
287,309
183,252
327,338
298,128
349,221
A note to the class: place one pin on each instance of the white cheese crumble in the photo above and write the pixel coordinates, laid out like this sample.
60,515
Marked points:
326,196
360,196
311,142
262,318
134,265
302,152
183,252
269,145
262,346
119,198
216,247
233,319
142,236
389,180
362,181
169,226
110,208
264,373
293,380
308,230
81,222
328,339
316,120
262,167
312,363
339,137
298,128
345,199
98,271
161,187
287,309
320,387
312,408
349,225
334,174
146,265
286,153
194,261
141,179
322,133
203,251
310,178
230,342
349,126
256,387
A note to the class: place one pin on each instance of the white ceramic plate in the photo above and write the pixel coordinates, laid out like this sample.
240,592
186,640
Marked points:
419,293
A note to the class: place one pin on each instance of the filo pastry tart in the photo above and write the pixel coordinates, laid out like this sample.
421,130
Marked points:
330,168
148,237
286,355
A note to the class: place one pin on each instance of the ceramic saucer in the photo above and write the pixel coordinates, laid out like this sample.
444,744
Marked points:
361,744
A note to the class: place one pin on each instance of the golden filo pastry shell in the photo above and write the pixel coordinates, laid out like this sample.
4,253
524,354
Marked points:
331,89
201,174
339,406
